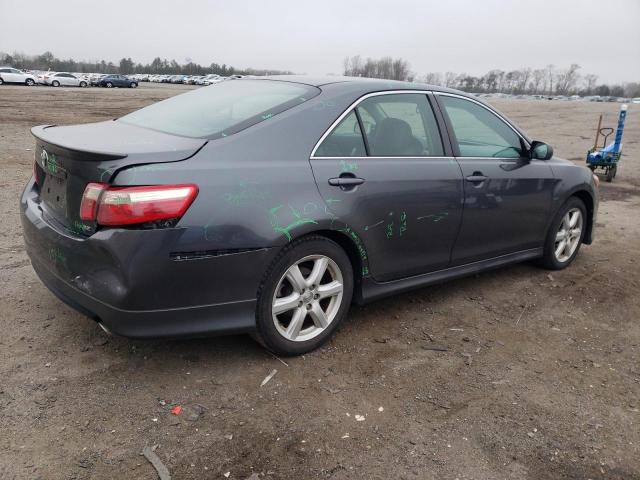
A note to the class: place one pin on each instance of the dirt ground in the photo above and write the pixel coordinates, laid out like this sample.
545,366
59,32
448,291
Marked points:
512,374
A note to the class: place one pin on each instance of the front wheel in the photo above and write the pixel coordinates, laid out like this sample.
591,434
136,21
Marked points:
30,82
304,296
1,81
109,85
133,85
83,84
55,83
565,235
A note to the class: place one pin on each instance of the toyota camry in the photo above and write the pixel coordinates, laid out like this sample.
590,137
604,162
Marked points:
269,205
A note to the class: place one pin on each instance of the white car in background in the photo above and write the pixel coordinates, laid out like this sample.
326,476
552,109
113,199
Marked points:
13,75
64,79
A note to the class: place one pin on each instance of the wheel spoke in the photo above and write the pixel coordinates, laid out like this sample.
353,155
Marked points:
560,235
318,316
574,219
297,320
294,275
319,267
330,289
575,233
560,248
284,304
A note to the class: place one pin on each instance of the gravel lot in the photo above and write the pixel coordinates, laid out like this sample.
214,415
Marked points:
515,373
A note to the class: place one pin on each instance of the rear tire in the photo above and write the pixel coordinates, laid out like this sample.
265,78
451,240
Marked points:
565,235
109,85
304,296
83,84
1,81
133,85
29,82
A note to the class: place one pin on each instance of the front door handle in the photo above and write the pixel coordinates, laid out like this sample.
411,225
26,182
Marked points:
346,182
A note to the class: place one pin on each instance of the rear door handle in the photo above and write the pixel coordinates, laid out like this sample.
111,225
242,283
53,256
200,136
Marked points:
476,177
346,181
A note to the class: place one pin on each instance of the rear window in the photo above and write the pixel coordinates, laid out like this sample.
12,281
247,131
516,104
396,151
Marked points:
221,109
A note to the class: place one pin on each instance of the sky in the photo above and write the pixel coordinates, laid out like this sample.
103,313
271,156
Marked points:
463,36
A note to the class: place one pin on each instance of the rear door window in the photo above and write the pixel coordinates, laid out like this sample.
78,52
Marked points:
400,125
344,141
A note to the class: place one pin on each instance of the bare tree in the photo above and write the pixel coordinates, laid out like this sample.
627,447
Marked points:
537,79
590,81
567,79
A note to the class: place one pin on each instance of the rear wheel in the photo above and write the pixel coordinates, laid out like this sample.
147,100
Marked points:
83,84
304,296
29,82
1,81
133,85
109,85
565,235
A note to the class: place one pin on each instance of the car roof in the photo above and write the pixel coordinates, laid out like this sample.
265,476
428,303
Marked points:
366,84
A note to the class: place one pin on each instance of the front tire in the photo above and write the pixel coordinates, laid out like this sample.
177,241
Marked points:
55,83
565,235
304,296
109,85
29,82
83,84
133,85
1,81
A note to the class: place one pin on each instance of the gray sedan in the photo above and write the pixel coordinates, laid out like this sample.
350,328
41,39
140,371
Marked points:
267,206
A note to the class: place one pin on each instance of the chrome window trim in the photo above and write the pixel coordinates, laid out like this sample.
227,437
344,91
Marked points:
353,107
441,157
509,124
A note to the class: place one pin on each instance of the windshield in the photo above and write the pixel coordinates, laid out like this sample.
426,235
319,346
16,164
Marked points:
221,109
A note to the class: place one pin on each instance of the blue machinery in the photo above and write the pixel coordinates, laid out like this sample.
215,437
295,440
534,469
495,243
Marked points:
607,156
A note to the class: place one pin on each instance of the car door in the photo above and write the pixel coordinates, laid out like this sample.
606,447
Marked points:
384,173
507,196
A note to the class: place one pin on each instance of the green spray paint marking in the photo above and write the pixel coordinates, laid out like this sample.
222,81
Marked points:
403,222
77,228
56,255
247,192
348,166
286,230
435,217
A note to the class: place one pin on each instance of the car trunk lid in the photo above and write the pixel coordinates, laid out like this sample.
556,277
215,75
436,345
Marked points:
69,157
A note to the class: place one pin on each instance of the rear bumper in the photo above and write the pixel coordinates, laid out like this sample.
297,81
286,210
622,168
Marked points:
127,280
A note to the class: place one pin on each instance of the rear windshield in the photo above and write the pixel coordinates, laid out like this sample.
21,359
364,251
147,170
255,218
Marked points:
222,109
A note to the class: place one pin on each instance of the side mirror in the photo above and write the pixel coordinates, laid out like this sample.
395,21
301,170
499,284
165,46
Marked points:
540,151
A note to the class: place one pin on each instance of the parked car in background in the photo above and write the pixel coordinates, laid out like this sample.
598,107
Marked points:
64,79
211,79
352,189
13,75
110,81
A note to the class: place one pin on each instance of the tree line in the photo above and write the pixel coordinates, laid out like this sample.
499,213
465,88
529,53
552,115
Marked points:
48,61
550,80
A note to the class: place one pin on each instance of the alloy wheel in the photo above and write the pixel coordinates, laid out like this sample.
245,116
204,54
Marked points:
307,298
568,235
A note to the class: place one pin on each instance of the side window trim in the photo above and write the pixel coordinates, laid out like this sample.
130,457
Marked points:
364,136
353,107
452,135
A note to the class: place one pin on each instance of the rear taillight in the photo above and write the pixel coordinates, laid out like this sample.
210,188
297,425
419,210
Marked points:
114,206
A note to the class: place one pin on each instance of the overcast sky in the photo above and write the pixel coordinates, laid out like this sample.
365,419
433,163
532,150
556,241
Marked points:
471,36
